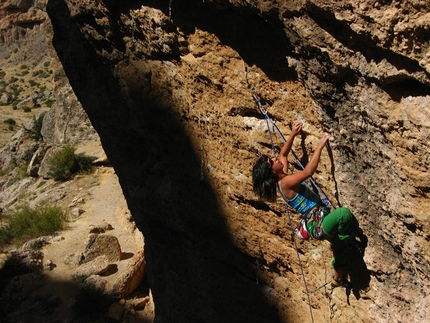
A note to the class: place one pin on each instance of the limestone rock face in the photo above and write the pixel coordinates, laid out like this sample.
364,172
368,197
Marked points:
171,100
66,121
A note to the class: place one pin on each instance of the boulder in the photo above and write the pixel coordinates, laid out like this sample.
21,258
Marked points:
101,244
130,279
39,242
73,259
97,266
45,165
6,98
36,160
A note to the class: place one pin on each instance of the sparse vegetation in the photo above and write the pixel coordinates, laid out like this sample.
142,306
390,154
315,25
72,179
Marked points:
35,131
65,164
27,223
33,83
22,171
10,121
16,90
41,184
49,103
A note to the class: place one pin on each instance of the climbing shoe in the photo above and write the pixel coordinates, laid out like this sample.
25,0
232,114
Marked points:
343,283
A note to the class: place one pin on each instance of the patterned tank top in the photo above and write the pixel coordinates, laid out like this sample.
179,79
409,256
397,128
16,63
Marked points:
305,199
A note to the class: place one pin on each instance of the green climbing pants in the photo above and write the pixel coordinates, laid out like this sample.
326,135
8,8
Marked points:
340,226
340,223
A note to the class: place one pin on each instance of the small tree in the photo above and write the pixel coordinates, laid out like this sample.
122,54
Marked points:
10,122
35,132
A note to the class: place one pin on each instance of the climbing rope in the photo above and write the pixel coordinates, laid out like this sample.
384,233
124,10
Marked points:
308,294
319,287
132,32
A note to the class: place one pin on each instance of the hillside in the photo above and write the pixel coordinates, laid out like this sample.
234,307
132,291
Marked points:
38,283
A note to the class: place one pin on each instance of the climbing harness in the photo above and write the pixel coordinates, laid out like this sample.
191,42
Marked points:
316,214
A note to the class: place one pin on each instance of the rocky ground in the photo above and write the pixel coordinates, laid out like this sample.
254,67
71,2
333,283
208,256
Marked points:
94,201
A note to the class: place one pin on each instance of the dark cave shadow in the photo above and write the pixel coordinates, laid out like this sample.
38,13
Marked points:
31,296
358,274
195,272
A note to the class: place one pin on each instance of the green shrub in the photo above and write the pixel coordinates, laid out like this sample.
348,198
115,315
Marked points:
22,171
6,236
49,103
23,66
41,184
66,163
26,109
10,121
29,223
33,83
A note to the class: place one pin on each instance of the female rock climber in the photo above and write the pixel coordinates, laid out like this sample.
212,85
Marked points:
339,226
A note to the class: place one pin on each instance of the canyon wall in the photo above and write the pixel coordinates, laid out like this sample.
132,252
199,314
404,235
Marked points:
169,91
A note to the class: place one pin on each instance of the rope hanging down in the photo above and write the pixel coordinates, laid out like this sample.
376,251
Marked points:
324,199
308,294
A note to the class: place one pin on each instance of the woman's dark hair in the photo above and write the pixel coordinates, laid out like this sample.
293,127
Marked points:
264,180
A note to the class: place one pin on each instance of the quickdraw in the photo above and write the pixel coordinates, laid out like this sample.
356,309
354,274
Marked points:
317,214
